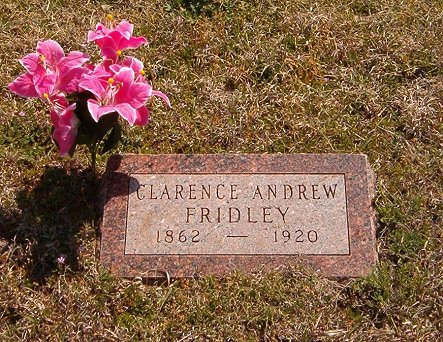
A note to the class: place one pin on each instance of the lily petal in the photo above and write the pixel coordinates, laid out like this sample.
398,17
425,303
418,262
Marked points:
45,84
30,62
162,96
98,111
52,51
93,84
125,29
125,76
69,81
133,43
74,59
103,70
65,128
133,63
108,47
142,116
135,95
127,112
24,86
115,68
60,103
100,31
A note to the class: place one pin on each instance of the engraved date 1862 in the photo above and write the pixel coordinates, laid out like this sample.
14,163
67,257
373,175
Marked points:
170,236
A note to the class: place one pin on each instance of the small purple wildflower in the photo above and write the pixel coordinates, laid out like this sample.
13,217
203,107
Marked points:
61,259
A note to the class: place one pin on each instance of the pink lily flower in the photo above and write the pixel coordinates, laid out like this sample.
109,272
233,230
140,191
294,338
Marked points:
121,93
118,94
113,41
130,62
137,65
65,124
49,70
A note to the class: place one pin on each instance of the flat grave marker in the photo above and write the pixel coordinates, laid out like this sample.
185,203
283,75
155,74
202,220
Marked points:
209,214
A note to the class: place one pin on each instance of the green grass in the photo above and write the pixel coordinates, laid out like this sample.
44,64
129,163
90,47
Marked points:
244,77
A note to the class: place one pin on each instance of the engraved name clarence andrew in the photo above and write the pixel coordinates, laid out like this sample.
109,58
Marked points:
255,194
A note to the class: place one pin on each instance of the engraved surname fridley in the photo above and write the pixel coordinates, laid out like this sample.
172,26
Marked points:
251,214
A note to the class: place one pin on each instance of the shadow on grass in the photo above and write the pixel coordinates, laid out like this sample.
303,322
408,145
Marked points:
197,8
46,224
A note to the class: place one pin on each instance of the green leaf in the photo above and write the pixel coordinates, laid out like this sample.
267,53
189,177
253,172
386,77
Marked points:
112,139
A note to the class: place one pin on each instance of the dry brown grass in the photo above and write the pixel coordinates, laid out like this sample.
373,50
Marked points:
281,76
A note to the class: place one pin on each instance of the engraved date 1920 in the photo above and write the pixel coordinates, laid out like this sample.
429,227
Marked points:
295,236
170,236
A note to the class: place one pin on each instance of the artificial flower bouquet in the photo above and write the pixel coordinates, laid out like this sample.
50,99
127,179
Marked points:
85,101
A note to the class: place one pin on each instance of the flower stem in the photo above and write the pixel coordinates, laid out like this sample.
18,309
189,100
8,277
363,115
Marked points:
93,150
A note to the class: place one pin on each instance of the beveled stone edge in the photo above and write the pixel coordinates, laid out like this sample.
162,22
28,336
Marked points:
115,163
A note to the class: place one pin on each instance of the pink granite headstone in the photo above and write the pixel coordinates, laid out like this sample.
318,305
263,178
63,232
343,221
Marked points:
195,215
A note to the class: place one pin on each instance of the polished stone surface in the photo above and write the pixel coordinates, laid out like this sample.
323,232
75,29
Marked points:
225,214
210,214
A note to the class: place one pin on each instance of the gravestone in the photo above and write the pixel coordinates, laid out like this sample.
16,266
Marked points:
187,216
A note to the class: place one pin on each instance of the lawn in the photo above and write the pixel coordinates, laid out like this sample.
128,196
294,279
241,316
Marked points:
298,76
